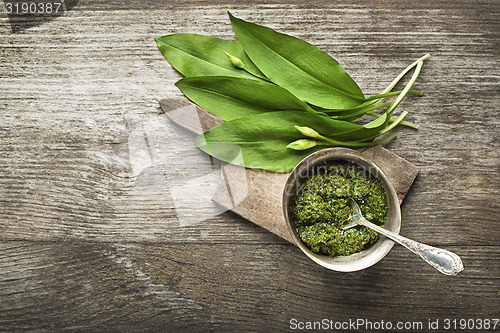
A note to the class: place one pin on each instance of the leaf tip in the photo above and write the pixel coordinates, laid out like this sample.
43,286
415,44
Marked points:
202,143
178,83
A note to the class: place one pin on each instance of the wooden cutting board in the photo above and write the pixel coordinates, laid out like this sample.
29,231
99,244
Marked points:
257,194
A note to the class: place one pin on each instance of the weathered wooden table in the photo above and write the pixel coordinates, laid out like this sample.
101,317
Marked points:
94,177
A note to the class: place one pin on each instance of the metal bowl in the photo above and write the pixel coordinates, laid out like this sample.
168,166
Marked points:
372,254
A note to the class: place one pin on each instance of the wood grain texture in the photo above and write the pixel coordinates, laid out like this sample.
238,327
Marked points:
74,286
92,235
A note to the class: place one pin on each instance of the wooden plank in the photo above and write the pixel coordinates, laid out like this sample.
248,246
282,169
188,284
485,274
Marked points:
257,194
82,286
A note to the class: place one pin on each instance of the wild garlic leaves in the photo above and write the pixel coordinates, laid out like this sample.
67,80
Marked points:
262,139
198,55
302,68
281,97
230,98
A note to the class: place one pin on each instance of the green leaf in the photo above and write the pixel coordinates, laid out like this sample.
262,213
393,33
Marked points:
370,129
230,97
303,69
199,55
260,141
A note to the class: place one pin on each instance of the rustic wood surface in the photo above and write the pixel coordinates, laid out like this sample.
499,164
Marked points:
93,236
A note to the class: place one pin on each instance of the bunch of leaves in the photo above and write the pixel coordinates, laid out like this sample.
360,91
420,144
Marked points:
281,98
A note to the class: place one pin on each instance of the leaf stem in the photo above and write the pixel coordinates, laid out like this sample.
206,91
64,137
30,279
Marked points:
394,93
403,73
239,64
370,101
406,88
358,113
330,142
388,128
392,119
418,63
395,81
257,76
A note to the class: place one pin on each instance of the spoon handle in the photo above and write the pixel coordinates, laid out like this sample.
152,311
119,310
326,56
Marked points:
444,261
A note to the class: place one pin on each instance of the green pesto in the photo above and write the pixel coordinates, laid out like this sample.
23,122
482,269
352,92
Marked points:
319,210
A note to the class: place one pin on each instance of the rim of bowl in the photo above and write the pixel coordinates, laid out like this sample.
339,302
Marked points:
372,254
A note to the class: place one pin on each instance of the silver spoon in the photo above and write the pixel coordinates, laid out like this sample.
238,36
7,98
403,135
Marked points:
444,261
